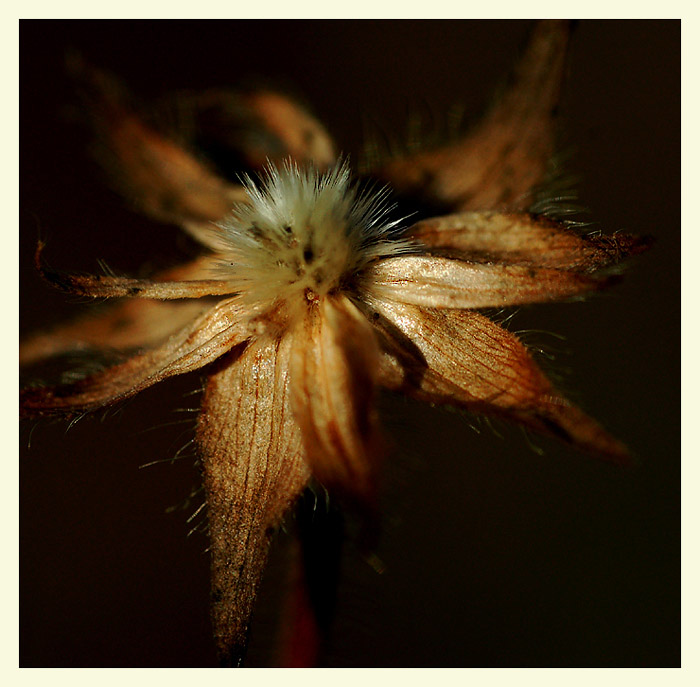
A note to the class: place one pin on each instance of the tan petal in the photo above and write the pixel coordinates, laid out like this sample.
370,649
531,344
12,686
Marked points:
202,342
462,358
156,174
438,282
522,239
333,371
253,466
502,159
123,325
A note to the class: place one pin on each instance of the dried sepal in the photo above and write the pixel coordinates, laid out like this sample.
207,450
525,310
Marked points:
425,357
252,457
523,239
333,368
438,282
505,157
198,344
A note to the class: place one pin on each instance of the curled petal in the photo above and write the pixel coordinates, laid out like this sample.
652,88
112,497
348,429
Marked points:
160,177
253,466
522,239
121,326
437,282
502,159
462,358
252,127
209,337
333,368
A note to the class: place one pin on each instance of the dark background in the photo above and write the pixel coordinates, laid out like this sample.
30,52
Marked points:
495,555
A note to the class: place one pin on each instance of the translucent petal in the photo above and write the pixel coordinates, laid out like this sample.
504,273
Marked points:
462,358
522,239
438,282
209,337
333,368
132,323
253,464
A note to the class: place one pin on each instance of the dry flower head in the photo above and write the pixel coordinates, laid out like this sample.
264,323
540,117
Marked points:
311,296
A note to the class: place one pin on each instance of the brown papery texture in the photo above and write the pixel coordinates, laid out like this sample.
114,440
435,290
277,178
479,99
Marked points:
251,453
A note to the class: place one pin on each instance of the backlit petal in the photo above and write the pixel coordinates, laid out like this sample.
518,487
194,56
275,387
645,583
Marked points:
438,282
132,323
209,337
253,466
462,358
333,368
522,239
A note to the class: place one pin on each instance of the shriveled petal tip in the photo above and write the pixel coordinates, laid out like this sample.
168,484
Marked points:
462,358
333,370
160,177
438,282
253,464
209,337
248,128
121,326
99,286
299,134
505,157
523,239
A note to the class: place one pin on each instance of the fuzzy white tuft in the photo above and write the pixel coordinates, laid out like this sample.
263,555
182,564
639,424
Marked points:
303,235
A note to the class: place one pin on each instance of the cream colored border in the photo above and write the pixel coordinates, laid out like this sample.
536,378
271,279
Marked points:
689,674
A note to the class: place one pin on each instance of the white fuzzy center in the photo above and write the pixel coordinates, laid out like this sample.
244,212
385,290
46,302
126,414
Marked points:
303,235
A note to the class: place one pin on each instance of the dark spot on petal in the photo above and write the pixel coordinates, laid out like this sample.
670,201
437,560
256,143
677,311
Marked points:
308,254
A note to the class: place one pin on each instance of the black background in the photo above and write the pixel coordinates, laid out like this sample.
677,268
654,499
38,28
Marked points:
495,555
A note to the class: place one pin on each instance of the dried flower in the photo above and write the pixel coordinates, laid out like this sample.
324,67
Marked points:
323,297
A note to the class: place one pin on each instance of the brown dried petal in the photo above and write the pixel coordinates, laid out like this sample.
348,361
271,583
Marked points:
522,239
202,342
156,174
253,470
119,326
333,368
502,159
462,358
438,282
